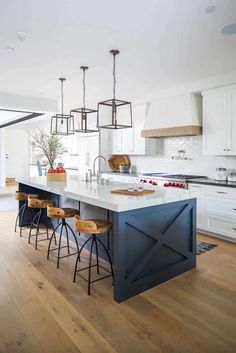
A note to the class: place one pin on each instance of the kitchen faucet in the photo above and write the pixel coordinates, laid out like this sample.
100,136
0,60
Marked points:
100,156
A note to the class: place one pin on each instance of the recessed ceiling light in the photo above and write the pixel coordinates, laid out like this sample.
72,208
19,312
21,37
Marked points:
210,9
229,29
8,48
21,35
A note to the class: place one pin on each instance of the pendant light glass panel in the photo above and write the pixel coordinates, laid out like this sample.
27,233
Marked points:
85,120
114,113
62,124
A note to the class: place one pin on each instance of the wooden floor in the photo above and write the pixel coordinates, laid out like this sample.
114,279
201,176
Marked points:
41,310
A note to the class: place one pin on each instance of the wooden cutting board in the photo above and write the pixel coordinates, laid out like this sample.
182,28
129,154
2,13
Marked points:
116,160
132,193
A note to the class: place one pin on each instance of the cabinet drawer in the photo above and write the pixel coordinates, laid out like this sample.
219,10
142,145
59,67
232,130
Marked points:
196,188
221,206
222,226
221,192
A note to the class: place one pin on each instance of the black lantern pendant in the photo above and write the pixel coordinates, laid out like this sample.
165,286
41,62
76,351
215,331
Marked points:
114,113
62,124
81,121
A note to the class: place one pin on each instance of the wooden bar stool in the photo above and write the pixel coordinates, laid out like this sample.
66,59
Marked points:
40,216
93,227
63,214
22,196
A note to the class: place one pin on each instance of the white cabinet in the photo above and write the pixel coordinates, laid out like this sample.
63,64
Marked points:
129,141
88,149
216,209
197,191
71,143
219,121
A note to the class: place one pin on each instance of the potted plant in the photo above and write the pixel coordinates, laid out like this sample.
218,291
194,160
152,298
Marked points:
51,146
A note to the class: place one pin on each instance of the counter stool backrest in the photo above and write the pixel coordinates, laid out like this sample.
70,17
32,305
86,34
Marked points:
21,196
85,226
37,203
55,212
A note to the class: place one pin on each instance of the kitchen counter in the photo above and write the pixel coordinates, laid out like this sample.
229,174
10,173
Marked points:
100,195
153,237
213,182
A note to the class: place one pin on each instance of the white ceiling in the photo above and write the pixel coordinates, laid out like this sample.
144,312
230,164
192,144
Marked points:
163,43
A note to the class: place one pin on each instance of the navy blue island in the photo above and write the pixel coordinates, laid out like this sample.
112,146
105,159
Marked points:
153,237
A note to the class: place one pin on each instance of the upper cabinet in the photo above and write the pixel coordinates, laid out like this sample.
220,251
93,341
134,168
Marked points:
219,121
129,141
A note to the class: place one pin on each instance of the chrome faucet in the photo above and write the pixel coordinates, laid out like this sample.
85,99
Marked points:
95,162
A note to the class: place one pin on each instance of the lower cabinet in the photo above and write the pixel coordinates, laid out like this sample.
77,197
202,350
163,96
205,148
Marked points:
216,209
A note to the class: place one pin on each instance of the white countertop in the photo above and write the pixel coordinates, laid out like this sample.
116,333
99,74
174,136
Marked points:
101,196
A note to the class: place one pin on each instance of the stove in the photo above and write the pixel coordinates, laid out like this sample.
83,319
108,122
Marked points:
168,180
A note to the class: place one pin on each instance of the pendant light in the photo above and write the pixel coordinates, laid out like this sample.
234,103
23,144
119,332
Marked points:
81,121
62,124
114,113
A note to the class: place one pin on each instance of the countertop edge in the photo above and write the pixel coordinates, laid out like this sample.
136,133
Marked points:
213,182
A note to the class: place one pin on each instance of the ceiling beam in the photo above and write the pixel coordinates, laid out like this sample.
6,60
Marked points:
29,116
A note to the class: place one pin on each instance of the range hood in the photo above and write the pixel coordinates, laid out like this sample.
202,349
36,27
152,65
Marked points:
174,116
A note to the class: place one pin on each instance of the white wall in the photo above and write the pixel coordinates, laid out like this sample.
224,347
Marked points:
2,158
17,149
197,164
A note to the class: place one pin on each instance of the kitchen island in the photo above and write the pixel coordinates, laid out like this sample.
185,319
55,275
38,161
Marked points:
153,237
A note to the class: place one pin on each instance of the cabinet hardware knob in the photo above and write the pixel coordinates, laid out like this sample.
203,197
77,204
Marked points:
221,192
234,228
234,209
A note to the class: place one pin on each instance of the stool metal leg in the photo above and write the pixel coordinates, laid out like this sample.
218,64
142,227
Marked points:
37,230
53,236
78,257
59,246
108,255
53,233
46,224
90,264
67,237
32,225
22,217
73,233
19,214
96,245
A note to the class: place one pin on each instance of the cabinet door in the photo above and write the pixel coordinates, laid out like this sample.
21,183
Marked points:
215,124
116,141
198,192
232,121
221,225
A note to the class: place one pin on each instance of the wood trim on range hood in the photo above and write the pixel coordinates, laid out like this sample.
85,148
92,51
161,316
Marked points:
188,130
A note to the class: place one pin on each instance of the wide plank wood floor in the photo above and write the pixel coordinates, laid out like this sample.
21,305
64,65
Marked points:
41,310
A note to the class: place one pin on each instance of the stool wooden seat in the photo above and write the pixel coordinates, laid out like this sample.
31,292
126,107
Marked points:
37,203
63,214
94,227
40,216
23,197
55,212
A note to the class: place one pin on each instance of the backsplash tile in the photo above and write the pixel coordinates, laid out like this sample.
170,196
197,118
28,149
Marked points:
196,164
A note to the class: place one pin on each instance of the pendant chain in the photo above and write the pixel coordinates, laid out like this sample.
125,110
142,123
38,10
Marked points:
84,88
62,99
114,76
